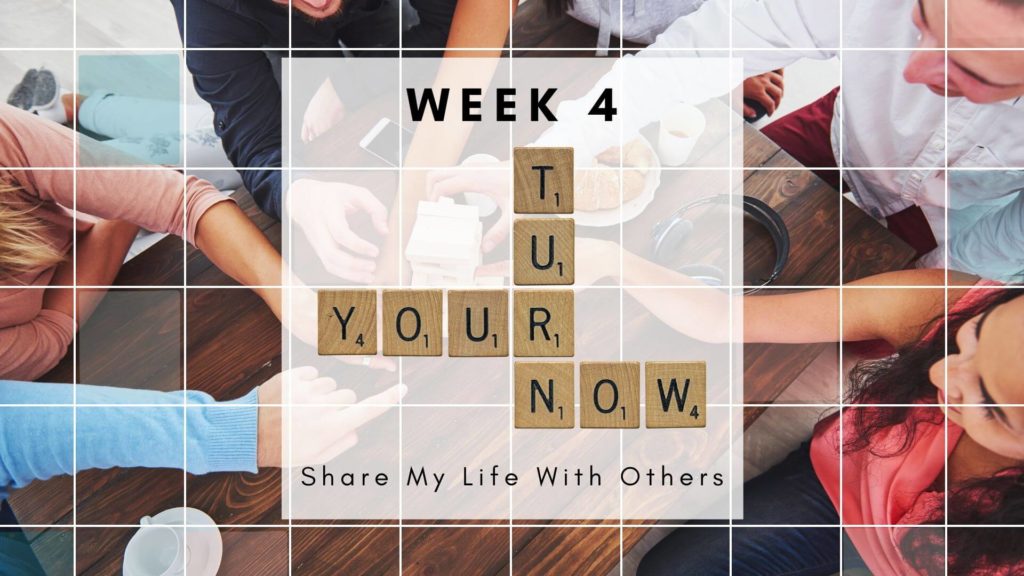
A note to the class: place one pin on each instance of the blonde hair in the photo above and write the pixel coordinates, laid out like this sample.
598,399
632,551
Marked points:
23,245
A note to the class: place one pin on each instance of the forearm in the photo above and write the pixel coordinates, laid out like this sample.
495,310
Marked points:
38,443
693,309
237,247
479,24
100,254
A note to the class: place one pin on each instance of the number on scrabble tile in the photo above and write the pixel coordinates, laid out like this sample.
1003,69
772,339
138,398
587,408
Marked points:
543,180
346,322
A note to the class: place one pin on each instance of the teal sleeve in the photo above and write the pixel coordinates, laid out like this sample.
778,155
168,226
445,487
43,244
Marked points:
40,431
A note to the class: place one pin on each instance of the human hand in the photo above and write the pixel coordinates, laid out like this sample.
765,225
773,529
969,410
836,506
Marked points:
490,182
324,110
765,89
596,259
324,418
322,210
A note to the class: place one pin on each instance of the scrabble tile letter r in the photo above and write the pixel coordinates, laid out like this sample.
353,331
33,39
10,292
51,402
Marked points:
543,180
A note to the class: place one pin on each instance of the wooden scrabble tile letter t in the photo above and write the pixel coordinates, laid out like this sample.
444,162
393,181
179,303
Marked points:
609,394
545,394
346,322
676,394
543,180
544,322
477,323
412,322
544,251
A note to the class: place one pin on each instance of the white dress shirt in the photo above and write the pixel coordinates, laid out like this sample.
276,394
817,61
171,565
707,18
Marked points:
880,120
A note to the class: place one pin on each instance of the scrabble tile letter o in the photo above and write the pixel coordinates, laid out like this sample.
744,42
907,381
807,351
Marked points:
609,394
412,322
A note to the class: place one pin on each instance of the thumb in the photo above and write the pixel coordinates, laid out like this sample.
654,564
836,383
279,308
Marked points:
366,201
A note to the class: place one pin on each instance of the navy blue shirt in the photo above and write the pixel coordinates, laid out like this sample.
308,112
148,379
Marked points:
241,85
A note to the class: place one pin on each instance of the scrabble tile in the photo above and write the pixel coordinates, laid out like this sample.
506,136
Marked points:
412,322
544,251
477,323
346,322
545,394
544,322
676,394
543,180
609,394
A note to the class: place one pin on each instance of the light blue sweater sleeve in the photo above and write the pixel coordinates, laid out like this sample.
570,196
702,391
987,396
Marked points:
39,431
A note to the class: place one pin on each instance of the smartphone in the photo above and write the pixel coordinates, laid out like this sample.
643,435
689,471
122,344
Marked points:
382,141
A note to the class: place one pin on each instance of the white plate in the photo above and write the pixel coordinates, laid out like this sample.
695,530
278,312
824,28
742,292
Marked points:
631,209
205,546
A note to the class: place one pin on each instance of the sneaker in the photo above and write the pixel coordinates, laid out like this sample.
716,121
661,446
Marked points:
37,90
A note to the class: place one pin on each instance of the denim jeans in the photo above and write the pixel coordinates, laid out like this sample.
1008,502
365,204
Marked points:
786,495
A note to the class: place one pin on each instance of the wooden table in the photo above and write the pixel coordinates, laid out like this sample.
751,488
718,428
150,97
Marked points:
234,345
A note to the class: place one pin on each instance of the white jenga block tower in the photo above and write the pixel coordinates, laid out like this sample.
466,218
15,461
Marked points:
444,247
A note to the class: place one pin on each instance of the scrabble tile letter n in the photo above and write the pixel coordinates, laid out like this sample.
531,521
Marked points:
543,180
544,251
346,322
609,394
477,323
545,394
544,322
412,322
676,394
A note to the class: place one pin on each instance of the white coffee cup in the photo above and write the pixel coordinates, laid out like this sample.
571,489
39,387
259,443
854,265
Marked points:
155,550
484,203
679,131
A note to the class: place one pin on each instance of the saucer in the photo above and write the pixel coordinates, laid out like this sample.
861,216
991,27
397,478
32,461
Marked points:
205,546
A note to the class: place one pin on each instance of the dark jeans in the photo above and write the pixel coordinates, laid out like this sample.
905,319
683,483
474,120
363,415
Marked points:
788,494
16,556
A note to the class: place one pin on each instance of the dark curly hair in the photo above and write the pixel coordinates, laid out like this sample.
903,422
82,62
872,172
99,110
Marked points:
996,501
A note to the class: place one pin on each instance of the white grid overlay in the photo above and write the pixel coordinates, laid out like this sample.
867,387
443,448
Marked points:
622,525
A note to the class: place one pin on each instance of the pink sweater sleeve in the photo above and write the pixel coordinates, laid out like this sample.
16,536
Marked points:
157,199
29,350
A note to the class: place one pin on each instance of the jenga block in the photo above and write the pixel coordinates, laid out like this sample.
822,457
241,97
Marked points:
545,394
412,322
477,323
543,180
544,322
544,251
346,322
609,394
676,394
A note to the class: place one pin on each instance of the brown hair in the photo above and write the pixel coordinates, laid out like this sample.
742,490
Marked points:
23,245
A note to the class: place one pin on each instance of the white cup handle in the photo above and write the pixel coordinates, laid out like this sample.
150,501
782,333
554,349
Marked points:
145,521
